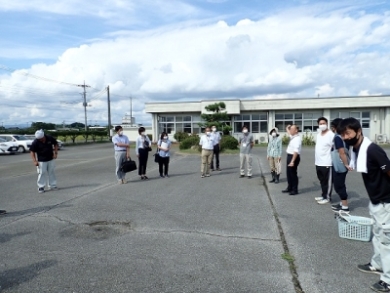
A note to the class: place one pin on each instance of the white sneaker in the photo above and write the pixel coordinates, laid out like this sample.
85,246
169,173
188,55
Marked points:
318,198
323,201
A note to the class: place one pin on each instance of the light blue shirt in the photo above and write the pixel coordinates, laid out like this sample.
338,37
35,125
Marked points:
120,139
162,153
217,137
207,142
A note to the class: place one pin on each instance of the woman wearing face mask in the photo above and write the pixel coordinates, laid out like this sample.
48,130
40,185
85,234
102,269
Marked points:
142,148
164,145
274,154
122,152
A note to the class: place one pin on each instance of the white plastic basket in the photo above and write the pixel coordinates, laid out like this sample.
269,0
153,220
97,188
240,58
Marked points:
353,227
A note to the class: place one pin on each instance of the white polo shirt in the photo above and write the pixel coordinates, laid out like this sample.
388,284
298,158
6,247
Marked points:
295,145
207,142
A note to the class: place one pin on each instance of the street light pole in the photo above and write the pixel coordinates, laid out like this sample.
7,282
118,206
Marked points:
85,102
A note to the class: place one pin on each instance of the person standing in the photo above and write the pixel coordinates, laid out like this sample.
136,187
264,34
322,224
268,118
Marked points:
122,153
371,160
323,160
217,147
207,144
293,158
246,143
142,149
43,151
340,168
164,146
274,154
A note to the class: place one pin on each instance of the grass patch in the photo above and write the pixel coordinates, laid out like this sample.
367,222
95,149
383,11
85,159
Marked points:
288,257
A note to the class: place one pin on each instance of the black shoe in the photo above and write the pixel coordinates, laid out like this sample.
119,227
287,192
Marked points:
273,177
3,212
293,193
249,177
242,176
368,268
277,178
286,190
146,178
381,286
338,208
219,169
41,189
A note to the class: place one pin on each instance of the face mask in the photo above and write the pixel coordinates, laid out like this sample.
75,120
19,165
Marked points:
245,131
165,137
323,127
273,134
214,129
120,133
351,141
142,133
208,133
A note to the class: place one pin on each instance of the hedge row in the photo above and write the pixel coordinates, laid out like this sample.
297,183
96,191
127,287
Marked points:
227,142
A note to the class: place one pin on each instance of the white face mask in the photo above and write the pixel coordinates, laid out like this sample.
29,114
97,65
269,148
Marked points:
245,131
165,137
214,129
120,133
208,133
323,127
273,134
143,133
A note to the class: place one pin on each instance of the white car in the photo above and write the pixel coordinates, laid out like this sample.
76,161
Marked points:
8,147
32,137
22,142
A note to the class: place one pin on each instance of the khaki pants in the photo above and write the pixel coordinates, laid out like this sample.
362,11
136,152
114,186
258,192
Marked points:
207,156
246,158
275,165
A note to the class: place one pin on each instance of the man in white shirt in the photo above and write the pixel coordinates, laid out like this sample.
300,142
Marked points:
207,144
217,139
293,158
122,152
323,160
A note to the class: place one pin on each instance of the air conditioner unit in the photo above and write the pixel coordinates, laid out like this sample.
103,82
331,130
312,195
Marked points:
262,139
381,138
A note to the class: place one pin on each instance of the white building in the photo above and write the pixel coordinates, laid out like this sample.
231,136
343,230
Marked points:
262,115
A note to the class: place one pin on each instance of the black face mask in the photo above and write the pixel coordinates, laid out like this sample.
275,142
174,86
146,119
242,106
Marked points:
352,141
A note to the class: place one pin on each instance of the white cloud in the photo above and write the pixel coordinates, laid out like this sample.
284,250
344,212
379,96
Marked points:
300,56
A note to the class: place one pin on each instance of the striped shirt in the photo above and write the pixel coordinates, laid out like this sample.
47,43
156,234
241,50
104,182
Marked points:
274,148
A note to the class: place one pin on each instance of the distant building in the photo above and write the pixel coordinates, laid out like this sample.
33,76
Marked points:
261,115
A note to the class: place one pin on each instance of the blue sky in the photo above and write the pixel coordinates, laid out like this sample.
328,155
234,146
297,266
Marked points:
159,50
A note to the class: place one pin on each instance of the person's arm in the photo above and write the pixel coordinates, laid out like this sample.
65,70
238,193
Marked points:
201,140
295,155
288,129
33,157
252,141
136,147
295,144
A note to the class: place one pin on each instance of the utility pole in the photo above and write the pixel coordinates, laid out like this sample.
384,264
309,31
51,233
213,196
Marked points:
109,110
85,102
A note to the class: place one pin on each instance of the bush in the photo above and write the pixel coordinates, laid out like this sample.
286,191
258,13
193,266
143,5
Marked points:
285,139
180,136
228,142
189,142
308,139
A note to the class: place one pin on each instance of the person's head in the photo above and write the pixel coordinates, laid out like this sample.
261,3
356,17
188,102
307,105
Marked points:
213,128
141,130
322,123
164,135
245,129
335,124
294,129
207,130
274,132
40,135
119,130
351,131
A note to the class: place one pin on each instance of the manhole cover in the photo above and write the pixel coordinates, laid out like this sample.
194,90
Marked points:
98,230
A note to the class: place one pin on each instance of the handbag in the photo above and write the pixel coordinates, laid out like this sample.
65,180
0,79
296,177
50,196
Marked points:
338,164
157,157
128,166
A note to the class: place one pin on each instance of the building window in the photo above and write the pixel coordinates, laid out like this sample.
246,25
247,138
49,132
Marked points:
256,122
305,121
362,116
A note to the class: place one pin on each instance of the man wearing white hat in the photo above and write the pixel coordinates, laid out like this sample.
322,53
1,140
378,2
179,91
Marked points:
43,150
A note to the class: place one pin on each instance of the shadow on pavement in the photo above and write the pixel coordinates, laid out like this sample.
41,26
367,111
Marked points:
5,237
35,210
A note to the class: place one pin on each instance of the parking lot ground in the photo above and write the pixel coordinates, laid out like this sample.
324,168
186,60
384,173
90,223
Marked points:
178,234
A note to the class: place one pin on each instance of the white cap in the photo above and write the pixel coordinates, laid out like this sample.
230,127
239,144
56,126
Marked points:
39,134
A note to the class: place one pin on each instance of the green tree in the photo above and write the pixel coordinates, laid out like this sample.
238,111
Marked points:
42,125
218,117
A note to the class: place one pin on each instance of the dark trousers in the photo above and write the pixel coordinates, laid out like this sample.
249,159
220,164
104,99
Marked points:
292,173
324,174
339,184
216,154
163,162
142,161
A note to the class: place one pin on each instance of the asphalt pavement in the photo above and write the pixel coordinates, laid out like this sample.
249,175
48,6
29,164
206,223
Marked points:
177,234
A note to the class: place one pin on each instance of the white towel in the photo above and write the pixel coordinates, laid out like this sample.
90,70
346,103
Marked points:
361,164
